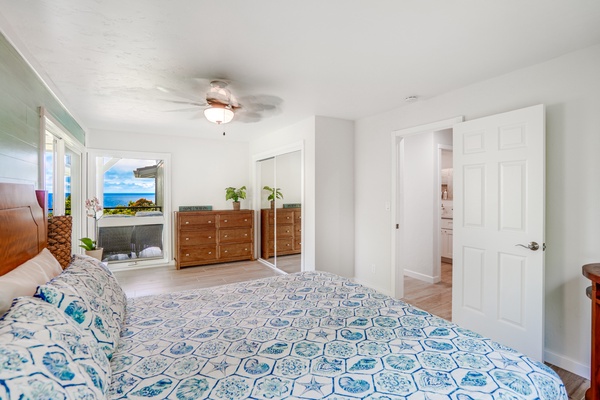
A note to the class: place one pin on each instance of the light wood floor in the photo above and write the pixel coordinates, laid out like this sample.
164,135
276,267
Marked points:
148,281
435,298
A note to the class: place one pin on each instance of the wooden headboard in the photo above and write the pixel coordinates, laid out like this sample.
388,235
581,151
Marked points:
23,225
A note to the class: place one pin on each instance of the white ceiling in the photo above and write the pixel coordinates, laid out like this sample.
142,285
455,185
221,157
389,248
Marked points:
348,59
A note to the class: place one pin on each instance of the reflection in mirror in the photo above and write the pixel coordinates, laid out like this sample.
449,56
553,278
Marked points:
279,180
288,211
266,173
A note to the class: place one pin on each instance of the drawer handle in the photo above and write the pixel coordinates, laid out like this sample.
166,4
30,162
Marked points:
187,222
187,255
245,234
210,237
187,238
245,249
288,231
225,251
210,252
288,217
226,235
288,245
210,222
225,220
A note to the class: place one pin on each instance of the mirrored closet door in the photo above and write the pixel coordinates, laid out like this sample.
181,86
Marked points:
280,216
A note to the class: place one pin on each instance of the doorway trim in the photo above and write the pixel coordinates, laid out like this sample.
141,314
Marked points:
397,217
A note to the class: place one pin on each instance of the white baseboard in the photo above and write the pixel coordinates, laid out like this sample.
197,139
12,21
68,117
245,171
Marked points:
422,277
370,285
128,266
567,364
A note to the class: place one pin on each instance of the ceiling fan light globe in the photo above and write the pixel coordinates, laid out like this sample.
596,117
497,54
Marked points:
218,115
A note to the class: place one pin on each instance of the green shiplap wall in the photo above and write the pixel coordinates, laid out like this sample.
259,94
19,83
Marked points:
21,95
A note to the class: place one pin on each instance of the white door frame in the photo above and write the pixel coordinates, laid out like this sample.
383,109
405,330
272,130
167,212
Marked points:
397,137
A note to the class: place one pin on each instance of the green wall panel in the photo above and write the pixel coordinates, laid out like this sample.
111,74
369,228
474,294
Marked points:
22,94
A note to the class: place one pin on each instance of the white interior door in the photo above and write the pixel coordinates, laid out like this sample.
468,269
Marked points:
499,184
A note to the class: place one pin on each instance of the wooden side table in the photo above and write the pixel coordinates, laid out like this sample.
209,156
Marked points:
592,272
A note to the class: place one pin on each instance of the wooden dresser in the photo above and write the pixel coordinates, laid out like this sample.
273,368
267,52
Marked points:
289,231
210,237
592,272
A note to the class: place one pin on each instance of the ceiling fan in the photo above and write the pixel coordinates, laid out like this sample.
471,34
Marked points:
221,106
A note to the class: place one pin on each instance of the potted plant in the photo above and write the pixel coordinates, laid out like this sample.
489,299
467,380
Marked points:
90,248
234,194
274,193
93,207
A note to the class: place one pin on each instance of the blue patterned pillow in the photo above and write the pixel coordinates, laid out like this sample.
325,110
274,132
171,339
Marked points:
43,354
84,307
98,278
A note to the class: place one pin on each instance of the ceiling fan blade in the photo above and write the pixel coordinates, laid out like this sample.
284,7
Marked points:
247,117
261,103
177,93
184,110
193,103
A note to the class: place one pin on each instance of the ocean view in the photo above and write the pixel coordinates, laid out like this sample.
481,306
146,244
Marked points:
116,199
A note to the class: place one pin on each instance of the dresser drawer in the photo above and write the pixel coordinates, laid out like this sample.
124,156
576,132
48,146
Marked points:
198,237
190,254
235,235
236,219
235,250
196,221
285,245
285,231
285,217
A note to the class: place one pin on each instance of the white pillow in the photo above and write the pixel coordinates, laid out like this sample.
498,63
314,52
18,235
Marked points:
24,280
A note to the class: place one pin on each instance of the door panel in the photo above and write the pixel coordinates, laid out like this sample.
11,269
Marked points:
499,204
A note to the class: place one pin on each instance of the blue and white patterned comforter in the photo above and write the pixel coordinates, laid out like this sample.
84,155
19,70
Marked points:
311,335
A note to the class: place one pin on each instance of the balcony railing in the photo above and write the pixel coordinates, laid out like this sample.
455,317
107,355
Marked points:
137,234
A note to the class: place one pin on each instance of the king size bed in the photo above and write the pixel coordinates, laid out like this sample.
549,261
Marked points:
307,335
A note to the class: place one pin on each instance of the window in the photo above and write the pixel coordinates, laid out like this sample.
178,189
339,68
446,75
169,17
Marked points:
61,173
134,228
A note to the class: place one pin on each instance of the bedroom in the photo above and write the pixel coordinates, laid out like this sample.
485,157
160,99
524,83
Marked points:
566,82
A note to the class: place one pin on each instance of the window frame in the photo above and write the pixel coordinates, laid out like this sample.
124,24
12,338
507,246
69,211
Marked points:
95,188
63,140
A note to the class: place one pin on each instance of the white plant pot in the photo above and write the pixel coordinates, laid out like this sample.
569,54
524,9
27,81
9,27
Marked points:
97,254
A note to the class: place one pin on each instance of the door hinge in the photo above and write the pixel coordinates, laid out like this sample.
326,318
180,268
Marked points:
544,247
397,226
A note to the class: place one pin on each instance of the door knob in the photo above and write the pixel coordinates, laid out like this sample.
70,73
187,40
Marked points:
531,246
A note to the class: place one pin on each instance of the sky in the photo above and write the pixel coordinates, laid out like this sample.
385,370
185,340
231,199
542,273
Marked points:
120,179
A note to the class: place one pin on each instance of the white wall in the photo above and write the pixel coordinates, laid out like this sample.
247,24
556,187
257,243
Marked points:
201,168
446,159
289,174
569,87
266,172
419,176
421,229
334,189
